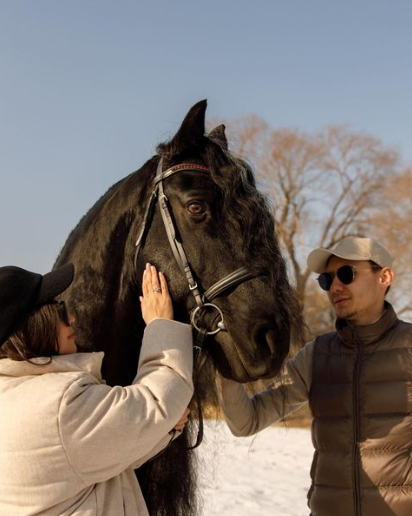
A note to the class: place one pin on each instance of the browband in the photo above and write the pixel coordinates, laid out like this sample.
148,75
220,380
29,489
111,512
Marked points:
179,168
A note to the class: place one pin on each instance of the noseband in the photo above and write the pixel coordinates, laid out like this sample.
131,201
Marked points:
203,302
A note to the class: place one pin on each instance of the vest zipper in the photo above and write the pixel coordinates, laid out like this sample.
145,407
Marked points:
356,426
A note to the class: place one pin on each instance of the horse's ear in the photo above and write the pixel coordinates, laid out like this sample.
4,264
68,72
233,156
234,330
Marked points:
192,130
218,135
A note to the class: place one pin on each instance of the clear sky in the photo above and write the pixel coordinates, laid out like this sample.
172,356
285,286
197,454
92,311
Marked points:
89,87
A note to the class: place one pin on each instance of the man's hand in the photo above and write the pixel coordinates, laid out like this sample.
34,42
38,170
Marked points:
156,301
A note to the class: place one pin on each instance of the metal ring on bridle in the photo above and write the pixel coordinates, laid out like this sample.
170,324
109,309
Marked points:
195,316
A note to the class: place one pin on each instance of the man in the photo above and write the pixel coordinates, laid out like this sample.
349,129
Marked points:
358,381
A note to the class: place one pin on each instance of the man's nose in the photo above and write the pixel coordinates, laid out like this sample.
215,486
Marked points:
337,285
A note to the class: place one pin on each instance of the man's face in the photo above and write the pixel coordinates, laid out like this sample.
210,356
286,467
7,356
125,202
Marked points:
360,302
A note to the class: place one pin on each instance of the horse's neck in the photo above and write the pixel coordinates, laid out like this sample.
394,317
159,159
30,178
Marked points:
116,230
102,244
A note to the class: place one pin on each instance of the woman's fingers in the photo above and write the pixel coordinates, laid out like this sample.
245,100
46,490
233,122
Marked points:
145,287
163,284
151,282
148,277
156,301
155,280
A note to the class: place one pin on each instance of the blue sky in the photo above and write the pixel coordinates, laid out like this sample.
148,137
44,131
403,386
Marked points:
89,87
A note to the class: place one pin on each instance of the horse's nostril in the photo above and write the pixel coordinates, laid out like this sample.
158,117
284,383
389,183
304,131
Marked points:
270,341
264,336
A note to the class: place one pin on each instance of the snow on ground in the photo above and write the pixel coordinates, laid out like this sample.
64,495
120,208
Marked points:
264,475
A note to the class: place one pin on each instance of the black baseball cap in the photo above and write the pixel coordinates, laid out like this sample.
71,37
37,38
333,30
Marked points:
22,292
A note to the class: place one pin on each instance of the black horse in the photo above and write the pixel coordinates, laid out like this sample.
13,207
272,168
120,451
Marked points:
224,225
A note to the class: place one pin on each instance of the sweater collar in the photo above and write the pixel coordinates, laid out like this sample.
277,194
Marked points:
76,362
369,333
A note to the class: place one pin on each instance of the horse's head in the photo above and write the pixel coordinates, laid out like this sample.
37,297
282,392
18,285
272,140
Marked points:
224,225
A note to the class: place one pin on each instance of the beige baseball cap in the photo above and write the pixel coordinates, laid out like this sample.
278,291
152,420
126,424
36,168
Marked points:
350,248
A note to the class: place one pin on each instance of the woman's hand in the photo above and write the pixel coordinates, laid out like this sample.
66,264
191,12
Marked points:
156,301
182,421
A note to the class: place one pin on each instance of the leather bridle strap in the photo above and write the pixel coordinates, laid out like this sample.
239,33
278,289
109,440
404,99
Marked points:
230,281
176,246
160,176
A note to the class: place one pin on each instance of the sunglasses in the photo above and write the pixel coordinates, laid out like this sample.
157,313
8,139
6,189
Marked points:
62,311
345,274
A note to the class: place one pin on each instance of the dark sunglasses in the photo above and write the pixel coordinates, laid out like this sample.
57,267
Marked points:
62,311
345,274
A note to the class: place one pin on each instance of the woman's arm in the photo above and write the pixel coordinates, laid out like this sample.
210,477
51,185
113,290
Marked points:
106,429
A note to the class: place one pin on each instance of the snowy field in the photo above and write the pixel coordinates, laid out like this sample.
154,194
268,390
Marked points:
265,475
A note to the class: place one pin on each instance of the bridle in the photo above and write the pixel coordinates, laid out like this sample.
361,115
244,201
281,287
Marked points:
203,302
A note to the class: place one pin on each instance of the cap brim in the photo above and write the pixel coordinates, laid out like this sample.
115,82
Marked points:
54,283
318,259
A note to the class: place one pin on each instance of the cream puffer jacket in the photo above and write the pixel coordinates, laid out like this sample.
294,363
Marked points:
69,443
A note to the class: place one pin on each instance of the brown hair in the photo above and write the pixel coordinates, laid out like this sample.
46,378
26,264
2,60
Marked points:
36,336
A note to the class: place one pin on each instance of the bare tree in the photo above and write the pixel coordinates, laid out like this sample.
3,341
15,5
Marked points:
324,186
391,223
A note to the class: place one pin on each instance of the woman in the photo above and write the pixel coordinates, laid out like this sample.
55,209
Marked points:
68,442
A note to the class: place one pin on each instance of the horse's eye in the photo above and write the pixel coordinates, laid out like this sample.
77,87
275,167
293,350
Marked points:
196,208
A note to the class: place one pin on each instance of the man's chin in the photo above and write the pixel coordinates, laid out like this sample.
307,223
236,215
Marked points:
345,314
